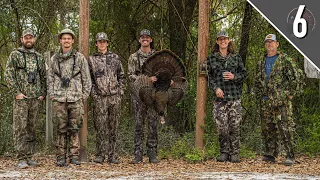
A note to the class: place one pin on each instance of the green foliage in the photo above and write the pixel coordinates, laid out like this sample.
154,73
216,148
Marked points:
182,146
195,156
247,152
212,149
6,121
308,123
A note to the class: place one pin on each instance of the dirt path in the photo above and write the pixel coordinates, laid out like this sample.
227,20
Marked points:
305,168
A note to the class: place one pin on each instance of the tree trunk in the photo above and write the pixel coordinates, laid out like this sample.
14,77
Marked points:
246,25
16,22
84,49
180,18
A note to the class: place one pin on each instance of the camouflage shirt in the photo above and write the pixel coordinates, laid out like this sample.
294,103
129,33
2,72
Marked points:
216,65
63,67
106,73
18,71
282,81
134,68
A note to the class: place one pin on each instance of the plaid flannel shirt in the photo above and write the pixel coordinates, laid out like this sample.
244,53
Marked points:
216,65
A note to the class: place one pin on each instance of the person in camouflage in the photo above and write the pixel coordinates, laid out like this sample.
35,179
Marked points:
275,86
26,78
141,111
226,74
107,89
69,84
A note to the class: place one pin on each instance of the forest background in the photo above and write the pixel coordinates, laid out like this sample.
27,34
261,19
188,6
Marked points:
174,26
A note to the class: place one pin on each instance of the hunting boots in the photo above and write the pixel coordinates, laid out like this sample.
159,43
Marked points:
289,161
61,161
98,159
153,157
269,158
223,157
137,158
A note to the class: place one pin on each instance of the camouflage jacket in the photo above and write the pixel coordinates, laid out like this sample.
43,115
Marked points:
78,74
18,69
282,81
216,65
106,73
134,68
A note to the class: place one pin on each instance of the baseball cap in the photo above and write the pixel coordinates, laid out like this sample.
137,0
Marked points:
222,34
27,32
145,32
102,36
67,31
271,37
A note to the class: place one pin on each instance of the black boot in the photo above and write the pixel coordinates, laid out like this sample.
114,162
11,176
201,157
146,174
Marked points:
153,157
289,161
268,158
223,157
98,159
75,161
234,158
61,162
137,159
113,160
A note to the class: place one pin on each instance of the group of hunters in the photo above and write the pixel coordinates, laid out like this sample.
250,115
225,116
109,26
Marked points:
71,79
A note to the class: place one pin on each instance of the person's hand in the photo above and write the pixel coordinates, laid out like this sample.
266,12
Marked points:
228,76
171,83
52,97
21,96
219,93
41,98
153,79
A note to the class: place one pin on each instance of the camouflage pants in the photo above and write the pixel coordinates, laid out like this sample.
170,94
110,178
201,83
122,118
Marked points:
68,116
141,114
25,113
106,123
277,122
227,115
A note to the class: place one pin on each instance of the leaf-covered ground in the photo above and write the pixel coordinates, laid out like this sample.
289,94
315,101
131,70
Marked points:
305,168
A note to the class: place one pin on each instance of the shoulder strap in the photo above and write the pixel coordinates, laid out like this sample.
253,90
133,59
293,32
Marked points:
74,64
139,61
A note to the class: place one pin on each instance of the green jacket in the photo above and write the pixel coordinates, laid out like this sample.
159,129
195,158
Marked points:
21,63
63,67
282,81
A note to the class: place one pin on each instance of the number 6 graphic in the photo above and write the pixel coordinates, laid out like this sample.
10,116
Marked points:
299,20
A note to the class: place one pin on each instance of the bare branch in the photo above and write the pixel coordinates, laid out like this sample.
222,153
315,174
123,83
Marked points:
226,15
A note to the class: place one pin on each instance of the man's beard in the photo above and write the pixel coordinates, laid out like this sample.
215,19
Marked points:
28,45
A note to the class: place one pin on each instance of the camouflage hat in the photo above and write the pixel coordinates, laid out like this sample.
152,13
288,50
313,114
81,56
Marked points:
222,34
145,32
101,36
271,37
27,32
67,31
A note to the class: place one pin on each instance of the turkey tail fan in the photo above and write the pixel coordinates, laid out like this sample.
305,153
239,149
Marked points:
166,66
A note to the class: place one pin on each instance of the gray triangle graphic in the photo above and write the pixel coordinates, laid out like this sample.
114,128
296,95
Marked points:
281,14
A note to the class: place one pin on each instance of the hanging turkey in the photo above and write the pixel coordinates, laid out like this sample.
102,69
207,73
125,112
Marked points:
166,66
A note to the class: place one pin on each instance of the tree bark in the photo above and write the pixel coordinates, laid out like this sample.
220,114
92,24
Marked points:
84,49
16,22
203,43
245,34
